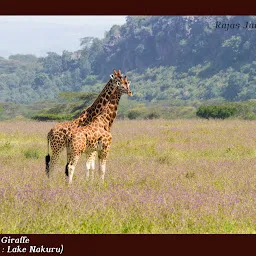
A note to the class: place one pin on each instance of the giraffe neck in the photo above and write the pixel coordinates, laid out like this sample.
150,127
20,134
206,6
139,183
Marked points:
109,114
103,97
97,106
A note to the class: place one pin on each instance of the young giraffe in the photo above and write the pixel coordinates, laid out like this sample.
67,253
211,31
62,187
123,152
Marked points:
95,136
58,135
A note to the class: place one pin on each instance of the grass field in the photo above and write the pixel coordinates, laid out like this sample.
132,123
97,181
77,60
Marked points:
181,176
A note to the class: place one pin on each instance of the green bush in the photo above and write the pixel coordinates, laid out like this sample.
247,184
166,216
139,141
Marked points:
153,115
52,117
134,114
220,112
31,153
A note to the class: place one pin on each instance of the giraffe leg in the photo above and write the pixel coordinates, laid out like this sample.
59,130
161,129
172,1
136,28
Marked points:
68,152
102,161
90,165
70,168
54,159
87,169
102,169
102,155
93,164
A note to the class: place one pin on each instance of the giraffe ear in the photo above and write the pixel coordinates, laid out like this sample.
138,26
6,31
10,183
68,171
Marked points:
129,82
117,83
111,76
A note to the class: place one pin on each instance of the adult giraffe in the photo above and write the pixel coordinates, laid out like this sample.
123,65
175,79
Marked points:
58,135
95,136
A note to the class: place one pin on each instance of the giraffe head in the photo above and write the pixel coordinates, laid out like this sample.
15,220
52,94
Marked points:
125,86
116,77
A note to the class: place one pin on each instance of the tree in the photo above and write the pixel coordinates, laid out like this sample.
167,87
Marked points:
236,82
52,64
27,58
41,79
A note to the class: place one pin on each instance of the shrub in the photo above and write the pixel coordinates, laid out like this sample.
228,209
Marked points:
153,115
31,153
135,114
52,117
220,112
144,113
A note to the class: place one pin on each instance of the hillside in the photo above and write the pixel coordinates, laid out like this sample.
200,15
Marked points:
167,58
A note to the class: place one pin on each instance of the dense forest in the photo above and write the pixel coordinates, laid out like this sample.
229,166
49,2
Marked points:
170,60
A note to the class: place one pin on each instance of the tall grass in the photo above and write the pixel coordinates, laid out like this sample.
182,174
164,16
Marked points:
181,176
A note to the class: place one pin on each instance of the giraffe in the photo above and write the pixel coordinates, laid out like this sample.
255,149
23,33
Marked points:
113,104
95,137
58,135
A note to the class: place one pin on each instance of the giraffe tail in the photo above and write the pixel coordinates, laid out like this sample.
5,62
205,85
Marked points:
47,158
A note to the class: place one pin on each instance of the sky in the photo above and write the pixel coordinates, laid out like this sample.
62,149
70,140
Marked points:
40,34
